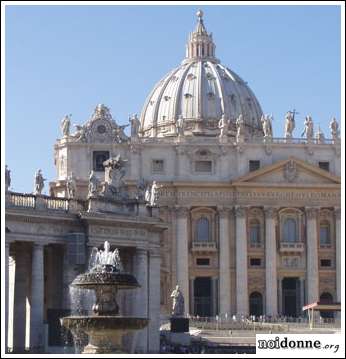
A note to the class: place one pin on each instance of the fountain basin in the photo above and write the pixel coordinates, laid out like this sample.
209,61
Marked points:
106,276
105,332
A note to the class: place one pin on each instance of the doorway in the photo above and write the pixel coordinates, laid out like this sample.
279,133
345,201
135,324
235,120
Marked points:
202,296
256,304
291,296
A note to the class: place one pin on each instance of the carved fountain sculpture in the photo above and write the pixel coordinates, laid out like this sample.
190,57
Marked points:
105,327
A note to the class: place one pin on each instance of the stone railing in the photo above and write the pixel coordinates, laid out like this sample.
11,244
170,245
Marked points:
200,246
42,202
291,246
232,140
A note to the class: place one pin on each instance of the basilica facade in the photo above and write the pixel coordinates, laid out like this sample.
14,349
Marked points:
245,221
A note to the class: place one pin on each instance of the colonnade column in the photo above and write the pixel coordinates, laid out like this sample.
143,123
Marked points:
154,302
270,263
183,254
241,262
37,299
224,262
141,301
7,297
338,253
312,255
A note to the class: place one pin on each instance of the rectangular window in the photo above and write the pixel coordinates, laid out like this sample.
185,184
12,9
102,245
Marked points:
158,166
98,158
326,263
324,165
203,261
254,165
255,262
203,166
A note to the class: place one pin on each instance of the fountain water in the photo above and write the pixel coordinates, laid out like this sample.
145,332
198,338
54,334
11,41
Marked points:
105,327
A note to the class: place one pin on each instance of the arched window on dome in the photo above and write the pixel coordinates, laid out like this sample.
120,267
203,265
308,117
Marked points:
290,232
202,230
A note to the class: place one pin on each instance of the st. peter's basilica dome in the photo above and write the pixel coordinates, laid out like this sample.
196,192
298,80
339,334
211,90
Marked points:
200,91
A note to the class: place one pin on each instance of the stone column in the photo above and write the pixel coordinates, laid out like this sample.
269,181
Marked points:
183,254
154,302
11,293
21,292
241,262
312,256
270,263
7,254
37,299
337,212
224,263
141,300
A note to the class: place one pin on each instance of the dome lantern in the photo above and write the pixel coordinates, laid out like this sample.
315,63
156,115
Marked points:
200,44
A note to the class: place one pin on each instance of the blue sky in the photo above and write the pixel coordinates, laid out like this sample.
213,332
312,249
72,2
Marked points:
67,59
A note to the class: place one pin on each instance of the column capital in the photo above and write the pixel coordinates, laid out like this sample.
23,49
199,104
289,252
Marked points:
311,212
337,213
37,246
182,211
141,252
240,211
270,212
224,211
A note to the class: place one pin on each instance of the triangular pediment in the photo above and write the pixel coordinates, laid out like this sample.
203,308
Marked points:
292,171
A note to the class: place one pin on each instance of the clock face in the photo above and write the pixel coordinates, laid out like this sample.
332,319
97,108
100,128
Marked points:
101,129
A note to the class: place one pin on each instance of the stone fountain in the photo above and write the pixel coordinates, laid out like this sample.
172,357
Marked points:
105,327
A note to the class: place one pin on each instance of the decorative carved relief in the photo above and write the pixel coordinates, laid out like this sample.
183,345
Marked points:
290,171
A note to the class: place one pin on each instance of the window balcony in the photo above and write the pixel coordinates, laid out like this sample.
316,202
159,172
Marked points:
203,246
291,247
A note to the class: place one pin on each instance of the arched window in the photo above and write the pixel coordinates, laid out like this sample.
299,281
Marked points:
256,304
255,232
202,230
290,232
326,298
324,233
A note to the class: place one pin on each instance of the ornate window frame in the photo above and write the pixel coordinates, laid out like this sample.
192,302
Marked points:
256,214
203,154
203,212
298,216
326,216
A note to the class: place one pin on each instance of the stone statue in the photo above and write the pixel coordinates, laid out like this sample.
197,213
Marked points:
320,135
147,194
65,126
39,182
71,186
308,128
135,126
266,121
7,178
115,171
179,125
119,134
289,124
240,128
93,184
154,194
178,303
334,128
223,126
80,134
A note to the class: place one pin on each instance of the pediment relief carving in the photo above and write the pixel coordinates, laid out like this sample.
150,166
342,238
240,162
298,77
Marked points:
291,171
